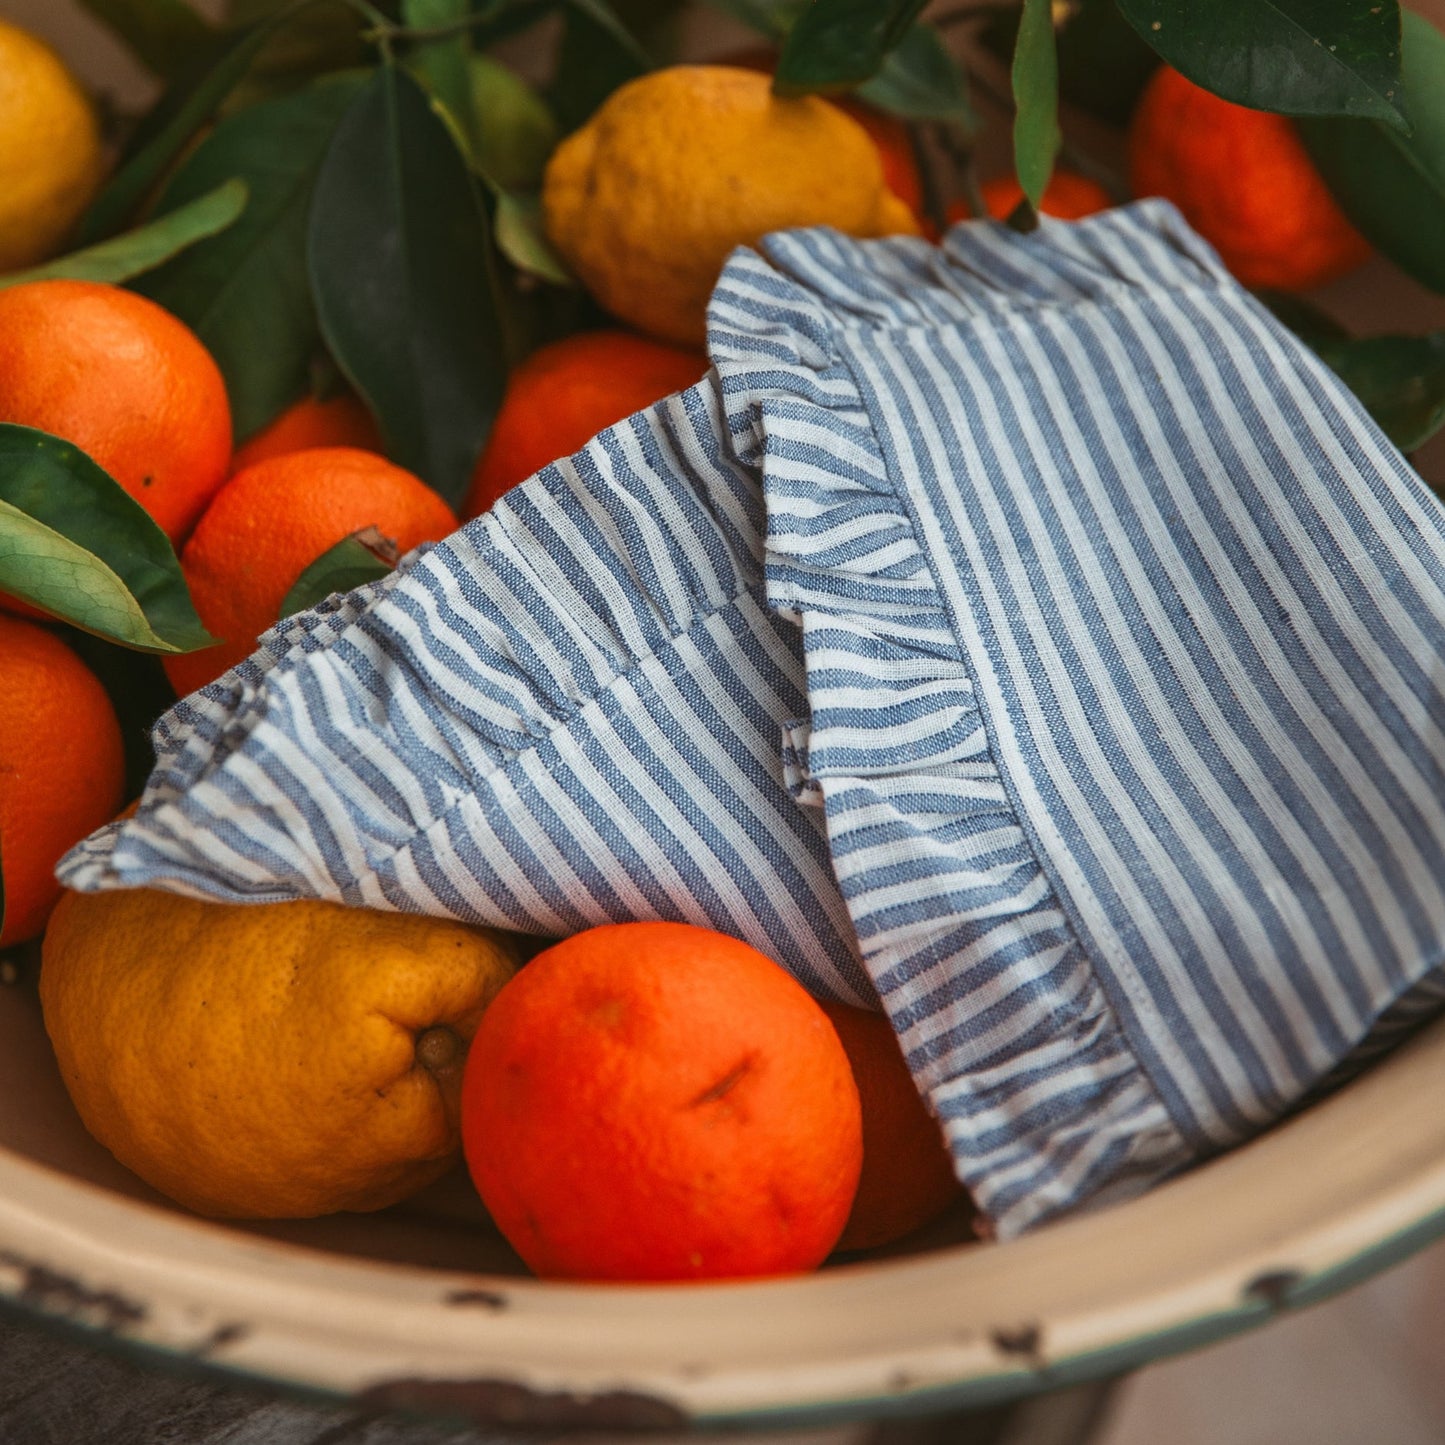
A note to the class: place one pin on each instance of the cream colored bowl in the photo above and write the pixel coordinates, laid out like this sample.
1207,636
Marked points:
424,1306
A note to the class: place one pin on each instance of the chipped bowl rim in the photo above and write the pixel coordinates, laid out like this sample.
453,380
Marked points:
1337,1193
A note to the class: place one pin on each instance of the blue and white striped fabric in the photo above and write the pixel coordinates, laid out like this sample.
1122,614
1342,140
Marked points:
1027,629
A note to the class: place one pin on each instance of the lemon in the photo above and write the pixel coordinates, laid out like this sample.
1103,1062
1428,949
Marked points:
272,1059
647,199
50,151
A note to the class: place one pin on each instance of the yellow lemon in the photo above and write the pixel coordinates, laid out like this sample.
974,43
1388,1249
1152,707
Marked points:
50,151
647,199
267,1060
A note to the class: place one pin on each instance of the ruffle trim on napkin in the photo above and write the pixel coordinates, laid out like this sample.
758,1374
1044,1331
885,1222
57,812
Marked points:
995,1002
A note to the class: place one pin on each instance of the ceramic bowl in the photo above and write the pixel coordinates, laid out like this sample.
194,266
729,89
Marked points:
424,1307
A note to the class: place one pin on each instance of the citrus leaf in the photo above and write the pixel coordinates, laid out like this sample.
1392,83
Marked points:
354,561
124,257
1392,186
246,292
162,34
920,80
74,544
836,45
441,65
398,255
169,127
1036,100
513,132
1296,57
1103,64
597,55
1399,379
517,223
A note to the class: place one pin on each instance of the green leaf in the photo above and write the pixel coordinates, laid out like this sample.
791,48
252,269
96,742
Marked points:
520,238
836,45
73,543
1392,186
1295,57
441,65
1036,100
1399,379
921,80
597,55
362,557
1103,63
162,34
398,255
145,248
246,292
513,132
169,128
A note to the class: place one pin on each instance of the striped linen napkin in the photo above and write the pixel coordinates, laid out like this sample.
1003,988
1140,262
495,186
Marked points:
1028,633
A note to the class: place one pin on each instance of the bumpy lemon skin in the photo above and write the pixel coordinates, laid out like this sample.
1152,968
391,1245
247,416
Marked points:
647,199
261,1060
51,158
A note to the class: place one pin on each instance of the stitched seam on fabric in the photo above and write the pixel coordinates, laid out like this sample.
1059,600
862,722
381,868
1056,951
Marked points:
1060,896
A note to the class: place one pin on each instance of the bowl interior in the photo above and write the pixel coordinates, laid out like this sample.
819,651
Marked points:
424,1305
443,1227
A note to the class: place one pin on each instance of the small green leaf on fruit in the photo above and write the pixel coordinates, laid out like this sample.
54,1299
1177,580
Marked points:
354,561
